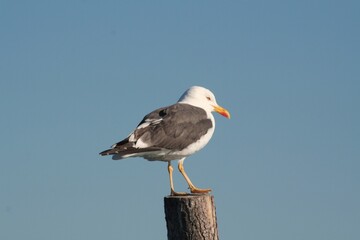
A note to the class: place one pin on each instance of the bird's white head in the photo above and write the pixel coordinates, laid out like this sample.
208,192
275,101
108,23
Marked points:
204,98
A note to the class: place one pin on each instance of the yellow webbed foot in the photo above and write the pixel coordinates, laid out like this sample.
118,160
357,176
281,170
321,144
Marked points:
194,189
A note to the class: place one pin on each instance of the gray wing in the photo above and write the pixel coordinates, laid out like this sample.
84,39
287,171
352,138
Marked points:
173,128
180,125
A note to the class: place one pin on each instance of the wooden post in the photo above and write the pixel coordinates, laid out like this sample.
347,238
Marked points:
191,217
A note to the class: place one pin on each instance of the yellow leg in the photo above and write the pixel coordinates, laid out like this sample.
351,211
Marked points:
193,189
172,191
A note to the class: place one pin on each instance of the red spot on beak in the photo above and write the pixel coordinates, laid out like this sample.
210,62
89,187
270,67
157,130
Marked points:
222,111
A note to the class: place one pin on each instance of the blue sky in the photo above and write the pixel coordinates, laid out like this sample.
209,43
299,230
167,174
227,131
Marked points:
77,76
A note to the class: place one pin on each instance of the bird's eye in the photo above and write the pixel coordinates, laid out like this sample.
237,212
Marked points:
208,98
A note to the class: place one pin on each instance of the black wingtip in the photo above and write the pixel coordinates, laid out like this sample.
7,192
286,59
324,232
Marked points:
104,153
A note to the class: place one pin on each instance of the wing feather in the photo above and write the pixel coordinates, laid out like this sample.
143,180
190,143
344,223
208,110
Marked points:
172,128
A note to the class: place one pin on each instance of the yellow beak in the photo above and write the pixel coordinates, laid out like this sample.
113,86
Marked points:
222,111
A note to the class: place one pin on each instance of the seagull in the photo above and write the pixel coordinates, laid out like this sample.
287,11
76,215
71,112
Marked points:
173,133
